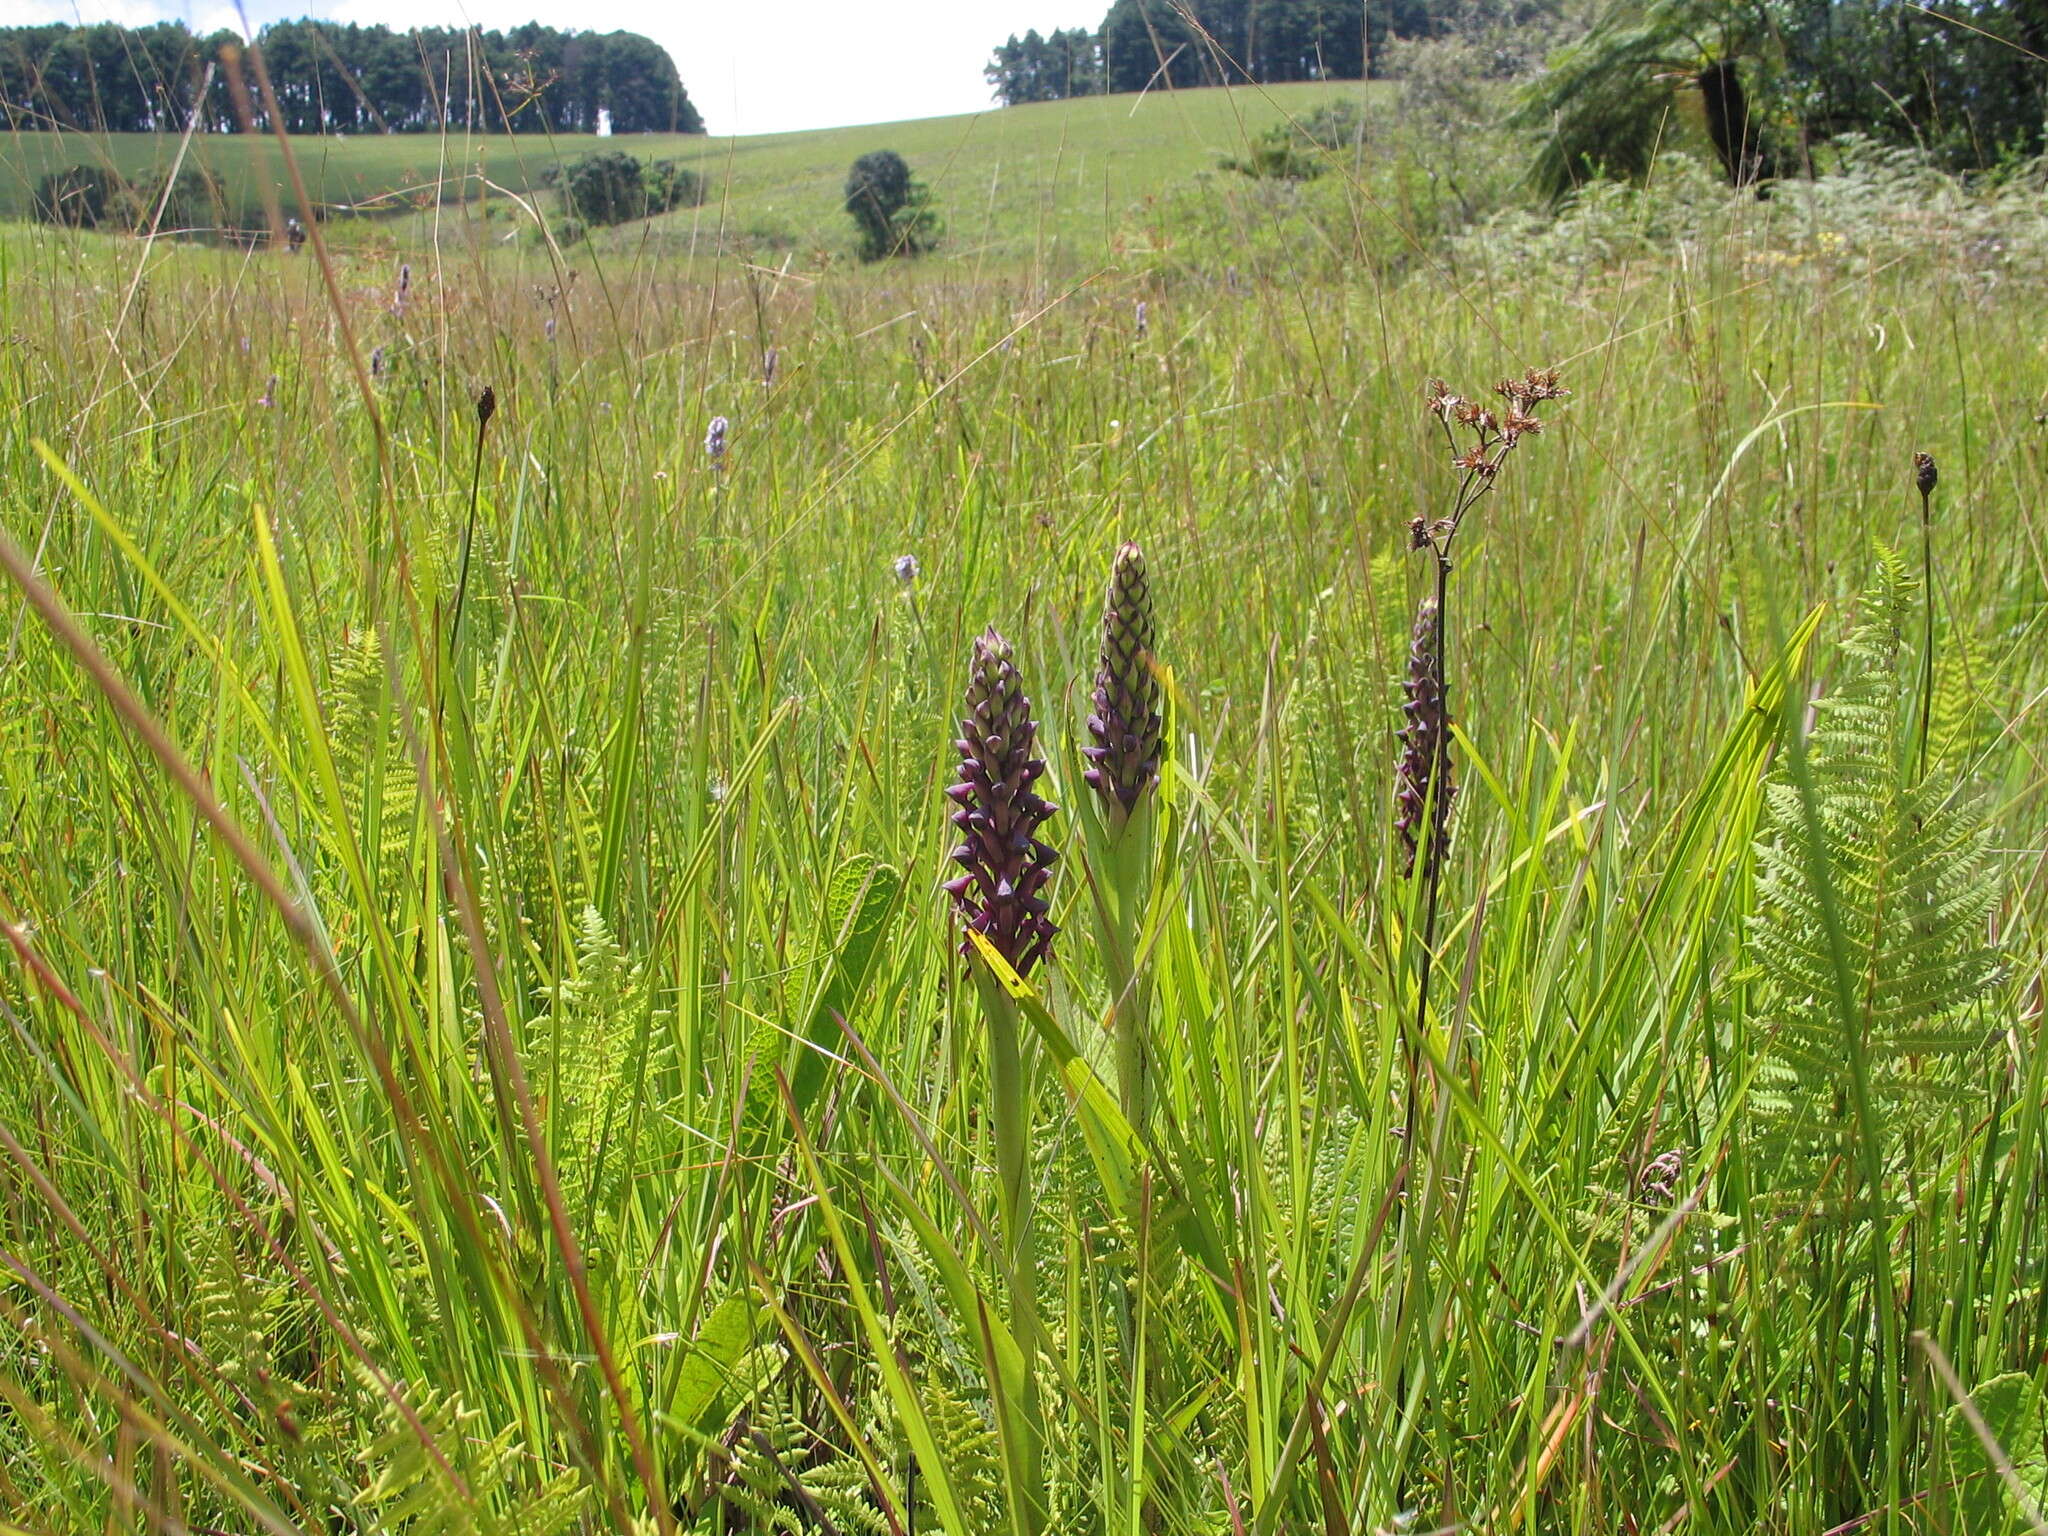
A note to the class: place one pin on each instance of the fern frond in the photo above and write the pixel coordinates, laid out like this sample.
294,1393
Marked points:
582,1056
1906,866
459,1480
379,788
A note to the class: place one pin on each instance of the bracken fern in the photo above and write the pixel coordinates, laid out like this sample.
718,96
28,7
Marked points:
582,1059
458,1480
1907,868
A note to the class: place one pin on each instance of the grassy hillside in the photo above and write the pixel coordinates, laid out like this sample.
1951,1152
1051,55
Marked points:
1035,178
488,1050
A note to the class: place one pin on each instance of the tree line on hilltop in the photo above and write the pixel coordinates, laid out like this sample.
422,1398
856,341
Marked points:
1151,43
331,78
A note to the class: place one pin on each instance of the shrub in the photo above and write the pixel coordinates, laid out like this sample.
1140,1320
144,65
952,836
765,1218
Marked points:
611,187
604,188
95,197
1300,150
1279,154
195,203
84,197
891,208
670,185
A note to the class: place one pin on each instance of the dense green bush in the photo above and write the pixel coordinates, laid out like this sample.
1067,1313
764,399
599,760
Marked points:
670,185
82,197
611,186
1279,154
97,197
1301,149
891,208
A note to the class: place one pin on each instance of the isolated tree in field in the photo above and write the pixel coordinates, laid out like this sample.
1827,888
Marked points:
891,207
611,186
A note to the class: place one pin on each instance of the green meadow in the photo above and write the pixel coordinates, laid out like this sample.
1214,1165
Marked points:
486,1046
1026,182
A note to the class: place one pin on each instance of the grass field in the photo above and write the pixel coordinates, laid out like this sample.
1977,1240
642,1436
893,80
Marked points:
488,1051
1033,181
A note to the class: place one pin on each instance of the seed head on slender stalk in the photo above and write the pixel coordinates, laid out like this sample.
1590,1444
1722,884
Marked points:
1001,894
1124,760
1925,477
1424,787
1480,438
486,408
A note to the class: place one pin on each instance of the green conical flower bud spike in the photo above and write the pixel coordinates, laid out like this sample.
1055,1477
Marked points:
1124,760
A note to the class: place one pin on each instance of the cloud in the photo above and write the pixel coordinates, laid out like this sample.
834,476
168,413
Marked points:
759,68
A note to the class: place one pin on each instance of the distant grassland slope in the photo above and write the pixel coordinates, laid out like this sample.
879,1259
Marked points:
1008,181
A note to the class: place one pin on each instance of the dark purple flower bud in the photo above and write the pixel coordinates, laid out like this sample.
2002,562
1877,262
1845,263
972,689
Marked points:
1924,473
1124,760
714,439
1001,892
1423,787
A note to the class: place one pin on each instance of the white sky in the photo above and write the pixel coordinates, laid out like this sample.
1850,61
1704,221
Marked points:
762,67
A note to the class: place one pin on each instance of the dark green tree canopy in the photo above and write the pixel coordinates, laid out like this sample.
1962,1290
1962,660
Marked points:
891,208
610,186
1151,43
335,78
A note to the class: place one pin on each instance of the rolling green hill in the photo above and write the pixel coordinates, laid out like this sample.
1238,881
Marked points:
1007,181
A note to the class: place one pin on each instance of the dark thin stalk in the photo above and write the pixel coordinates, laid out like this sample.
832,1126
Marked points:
486,407
1439,777
1925,477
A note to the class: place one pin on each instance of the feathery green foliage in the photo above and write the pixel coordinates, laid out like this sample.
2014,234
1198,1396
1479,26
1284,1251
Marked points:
457,1478
600,1034
1905,865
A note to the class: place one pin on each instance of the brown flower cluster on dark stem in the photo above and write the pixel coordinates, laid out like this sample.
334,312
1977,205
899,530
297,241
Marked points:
1423,786
1001,894
1481,437
1124,760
